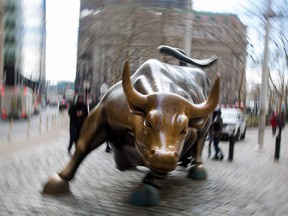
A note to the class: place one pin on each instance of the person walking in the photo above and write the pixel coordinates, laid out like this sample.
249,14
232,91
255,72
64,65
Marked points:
273,123
217,134
77,113
280,122
210,136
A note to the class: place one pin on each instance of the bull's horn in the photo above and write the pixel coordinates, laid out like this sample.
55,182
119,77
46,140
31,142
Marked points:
208,106
133,97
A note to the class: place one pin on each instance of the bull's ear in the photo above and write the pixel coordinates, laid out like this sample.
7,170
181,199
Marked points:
135,110
198,123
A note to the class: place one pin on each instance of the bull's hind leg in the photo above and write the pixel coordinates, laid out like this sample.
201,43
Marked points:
91,137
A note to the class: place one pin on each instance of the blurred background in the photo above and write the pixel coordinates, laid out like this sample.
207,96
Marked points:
52,50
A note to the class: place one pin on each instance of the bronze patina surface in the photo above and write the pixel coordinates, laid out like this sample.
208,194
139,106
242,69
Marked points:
156,118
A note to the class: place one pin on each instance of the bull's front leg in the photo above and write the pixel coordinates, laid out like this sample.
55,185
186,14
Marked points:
197,170
147,194
59,183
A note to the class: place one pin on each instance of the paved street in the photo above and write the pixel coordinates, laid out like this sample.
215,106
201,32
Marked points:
253,184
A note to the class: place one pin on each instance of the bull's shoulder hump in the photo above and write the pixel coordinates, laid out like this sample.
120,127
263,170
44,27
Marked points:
154,66
150,69
150,65
152,61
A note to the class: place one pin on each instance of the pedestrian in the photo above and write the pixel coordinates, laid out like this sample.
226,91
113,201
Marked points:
210,136
78,113
217,134
92,104
280,122
273,123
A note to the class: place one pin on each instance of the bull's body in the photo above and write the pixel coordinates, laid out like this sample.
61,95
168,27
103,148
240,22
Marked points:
157,118
153,77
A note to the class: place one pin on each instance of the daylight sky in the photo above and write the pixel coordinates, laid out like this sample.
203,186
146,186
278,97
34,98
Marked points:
62,30
229,6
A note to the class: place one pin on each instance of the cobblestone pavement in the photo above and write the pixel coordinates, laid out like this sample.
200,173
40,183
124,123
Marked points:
253,184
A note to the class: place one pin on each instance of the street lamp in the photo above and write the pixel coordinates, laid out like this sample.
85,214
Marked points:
260,146
188,29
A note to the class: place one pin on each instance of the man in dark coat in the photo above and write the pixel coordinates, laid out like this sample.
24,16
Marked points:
78,113
217,134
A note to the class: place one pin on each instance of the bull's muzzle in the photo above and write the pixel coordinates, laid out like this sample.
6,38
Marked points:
162,161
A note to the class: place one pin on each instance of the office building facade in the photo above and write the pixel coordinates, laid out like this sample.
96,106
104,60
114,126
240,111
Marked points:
22,52
112,31
24,43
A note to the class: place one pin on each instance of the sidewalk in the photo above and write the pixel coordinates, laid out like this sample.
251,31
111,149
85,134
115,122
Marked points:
24,140
253,184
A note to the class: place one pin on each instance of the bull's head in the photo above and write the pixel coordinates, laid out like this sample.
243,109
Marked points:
167,121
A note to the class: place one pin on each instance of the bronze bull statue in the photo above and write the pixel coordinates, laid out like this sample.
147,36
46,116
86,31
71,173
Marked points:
157,118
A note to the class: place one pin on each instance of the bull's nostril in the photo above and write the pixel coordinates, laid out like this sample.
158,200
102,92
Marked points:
152,152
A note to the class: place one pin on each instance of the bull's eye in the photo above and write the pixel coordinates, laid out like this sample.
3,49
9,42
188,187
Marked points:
147,124
184,130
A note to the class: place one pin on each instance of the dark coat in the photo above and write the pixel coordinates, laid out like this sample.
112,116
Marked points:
217,126
78,113
81,114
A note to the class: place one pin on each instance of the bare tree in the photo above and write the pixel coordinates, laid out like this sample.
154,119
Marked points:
278,58
237,40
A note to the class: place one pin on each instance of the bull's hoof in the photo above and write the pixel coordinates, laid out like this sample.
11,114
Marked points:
56,185
146,195
197,172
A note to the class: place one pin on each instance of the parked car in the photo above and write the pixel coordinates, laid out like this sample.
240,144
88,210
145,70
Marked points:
234,122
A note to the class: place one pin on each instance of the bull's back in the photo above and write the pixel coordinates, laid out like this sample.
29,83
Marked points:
154,76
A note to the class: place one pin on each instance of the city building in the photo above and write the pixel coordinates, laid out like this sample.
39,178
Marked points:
112,31
23,47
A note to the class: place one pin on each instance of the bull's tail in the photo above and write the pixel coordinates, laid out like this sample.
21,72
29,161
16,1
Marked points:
183,58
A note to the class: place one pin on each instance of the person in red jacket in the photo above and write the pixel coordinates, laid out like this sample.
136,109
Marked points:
273,123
